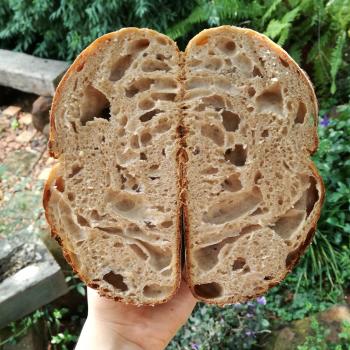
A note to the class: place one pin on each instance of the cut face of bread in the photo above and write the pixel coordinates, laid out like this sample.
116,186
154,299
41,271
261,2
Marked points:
253,194
112,199
217,139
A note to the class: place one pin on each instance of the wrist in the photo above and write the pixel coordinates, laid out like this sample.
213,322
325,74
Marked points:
96,335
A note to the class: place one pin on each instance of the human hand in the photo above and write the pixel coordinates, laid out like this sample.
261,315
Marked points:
113,325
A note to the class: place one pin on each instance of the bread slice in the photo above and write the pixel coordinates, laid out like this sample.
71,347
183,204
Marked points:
112,199
215,142
253,193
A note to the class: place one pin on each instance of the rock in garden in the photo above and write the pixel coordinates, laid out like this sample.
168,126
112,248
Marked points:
29,277
29,73
40,112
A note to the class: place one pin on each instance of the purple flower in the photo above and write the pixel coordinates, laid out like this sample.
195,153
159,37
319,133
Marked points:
325,120
249,333
261,300
194,346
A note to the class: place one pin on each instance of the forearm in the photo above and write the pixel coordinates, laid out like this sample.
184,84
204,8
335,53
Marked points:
95,336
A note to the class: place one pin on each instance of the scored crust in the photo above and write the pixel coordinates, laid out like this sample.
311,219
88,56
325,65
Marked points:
198,98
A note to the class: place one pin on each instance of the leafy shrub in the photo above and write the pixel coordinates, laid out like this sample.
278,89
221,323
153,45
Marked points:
62,326
233,327
61,29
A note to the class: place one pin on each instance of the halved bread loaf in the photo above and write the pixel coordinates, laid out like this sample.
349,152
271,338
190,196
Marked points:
217,140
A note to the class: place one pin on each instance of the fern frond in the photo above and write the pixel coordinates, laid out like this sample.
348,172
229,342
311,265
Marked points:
295,52
270,11
280,28
216,12
336,59
339,10
199,14
142,7
238,9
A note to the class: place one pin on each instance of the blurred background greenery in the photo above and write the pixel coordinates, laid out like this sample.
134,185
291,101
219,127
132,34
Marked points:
316,33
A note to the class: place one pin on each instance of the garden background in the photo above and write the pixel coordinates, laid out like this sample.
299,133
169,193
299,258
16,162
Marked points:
316,33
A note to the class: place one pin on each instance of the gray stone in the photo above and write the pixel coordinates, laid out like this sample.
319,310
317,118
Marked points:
38,283
15,254
30,74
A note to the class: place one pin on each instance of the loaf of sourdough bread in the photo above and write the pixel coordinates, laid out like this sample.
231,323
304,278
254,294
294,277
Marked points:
209,149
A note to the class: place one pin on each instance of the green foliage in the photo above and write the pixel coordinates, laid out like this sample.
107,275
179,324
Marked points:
318,340
233,327
20,328
295,299
75,283
14,124
63,326
61,29
279,29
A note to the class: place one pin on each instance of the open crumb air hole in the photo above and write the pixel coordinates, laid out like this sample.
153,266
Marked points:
94,105
156,291
227,46
237,205
119,67
139,85
270,100
149,115
237,156
238,264
208,290
116,280
138,45
230,120
232,183
301,113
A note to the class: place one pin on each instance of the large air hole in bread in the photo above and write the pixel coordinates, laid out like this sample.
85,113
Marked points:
214,142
